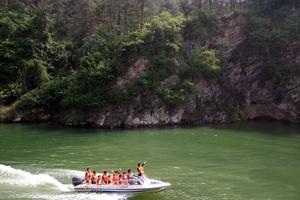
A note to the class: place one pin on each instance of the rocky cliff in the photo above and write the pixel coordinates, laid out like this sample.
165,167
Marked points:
261,96
243,93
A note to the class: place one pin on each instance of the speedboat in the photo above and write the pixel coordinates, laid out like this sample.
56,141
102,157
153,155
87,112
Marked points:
141,185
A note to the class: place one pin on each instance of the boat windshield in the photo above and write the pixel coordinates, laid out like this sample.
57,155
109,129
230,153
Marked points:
143,180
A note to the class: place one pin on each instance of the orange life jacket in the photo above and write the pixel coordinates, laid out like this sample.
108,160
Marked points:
88,181
125,179
94,178
140,170
116,178
98,181
105,179
120,182
88,175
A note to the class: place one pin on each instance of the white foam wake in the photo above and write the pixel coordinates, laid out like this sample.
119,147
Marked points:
64,173
9,175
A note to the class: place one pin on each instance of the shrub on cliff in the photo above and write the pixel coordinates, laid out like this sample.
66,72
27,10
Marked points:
266,39
10,93
269,36
204,64
180,93
160,41
92,63
201,27
163,33
34,74
47,98
281,70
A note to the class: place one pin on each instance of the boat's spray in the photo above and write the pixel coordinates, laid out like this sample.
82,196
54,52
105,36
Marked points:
11,176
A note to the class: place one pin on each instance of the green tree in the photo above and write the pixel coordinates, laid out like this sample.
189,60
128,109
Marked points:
201,27
204,63
34,74
92,63
12,27
163,33
10,93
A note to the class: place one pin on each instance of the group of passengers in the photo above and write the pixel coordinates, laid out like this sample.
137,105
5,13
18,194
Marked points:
116,178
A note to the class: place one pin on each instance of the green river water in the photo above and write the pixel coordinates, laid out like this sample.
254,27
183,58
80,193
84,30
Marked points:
253,160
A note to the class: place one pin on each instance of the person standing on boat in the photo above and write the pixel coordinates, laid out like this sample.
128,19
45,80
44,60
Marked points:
140,169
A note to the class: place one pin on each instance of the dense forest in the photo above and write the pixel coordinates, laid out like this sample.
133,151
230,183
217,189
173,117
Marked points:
73,61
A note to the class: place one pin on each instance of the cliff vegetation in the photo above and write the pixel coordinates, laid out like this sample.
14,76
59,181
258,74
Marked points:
136,63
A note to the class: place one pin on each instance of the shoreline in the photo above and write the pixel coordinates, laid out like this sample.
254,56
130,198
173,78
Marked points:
153,126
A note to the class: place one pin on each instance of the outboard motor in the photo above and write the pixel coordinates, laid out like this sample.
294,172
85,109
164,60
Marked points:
77,181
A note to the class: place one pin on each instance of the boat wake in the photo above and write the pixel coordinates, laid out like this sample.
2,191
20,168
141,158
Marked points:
11,176
44,185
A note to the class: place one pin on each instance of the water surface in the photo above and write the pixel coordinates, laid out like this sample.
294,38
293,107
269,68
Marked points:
253,160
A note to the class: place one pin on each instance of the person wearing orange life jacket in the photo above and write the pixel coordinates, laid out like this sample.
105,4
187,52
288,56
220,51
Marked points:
105,178
120,180
116,178
99,180
94,177
88,173
124,178
140,169
88,176
109,179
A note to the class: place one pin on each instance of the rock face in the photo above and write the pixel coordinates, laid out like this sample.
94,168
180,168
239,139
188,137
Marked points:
233,33
262,98
243,79
137,70
264,104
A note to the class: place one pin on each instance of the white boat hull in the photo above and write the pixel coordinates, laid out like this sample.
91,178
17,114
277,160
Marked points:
152,186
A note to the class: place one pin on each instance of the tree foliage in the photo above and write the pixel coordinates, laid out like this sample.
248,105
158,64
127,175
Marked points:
34,74
269,36
204,63
201,26
68,54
